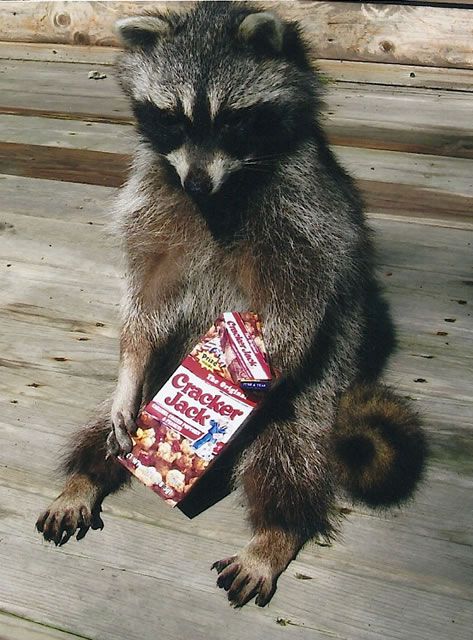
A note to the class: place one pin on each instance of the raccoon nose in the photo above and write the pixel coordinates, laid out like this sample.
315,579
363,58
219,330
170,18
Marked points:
198,183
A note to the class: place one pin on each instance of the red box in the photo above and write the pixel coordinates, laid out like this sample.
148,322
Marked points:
201,407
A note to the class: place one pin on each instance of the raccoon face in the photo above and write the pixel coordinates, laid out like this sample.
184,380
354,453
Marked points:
220,94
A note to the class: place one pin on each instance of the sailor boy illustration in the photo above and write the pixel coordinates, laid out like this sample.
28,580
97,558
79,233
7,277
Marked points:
213,435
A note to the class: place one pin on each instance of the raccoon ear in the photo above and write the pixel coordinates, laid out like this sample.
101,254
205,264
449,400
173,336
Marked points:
264,30
142,31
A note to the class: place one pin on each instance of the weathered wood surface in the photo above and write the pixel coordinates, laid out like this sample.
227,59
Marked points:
392,183
85,146
70,165
402,575
411,119
67,134
396,576
401,75
15,628
338,70
399,33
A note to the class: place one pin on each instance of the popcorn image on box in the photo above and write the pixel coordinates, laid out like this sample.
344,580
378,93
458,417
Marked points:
202,405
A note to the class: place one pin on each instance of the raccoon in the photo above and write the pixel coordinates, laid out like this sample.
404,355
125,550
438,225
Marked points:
235,202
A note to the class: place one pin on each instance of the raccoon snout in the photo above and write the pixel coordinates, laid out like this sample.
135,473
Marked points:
198,183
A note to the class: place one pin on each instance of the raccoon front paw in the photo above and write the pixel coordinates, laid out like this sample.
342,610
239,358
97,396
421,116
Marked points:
244,577
66,516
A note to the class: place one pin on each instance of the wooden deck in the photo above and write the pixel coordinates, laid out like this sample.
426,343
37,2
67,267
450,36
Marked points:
64,140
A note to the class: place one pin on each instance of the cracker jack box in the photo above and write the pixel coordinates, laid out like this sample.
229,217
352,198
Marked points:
204,403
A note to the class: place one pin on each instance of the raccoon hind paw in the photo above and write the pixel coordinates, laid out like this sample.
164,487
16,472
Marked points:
245,578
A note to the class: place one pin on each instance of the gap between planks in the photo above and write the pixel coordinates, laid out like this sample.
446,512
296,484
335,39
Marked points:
17,627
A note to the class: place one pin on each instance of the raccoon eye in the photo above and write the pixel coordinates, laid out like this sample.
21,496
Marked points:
164,129
151,116
169,119
258,122
231,121
236,123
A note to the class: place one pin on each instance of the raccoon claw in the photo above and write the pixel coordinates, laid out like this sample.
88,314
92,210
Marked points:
97,522
244,578
113,448
219,565
119,441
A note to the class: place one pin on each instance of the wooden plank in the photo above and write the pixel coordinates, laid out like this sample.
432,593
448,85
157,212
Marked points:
372,116
77,203
47,52
69,134
111,564
70,165
435,188
32,85
408,201
401,75
398,119
425,270
337,70
422,185
397,33
386,561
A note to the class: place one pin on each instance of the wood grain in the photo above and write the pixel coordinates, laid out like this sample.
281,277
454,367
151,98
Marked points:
401,75
17,628
173,565
399,119
63,284
337,70
396,33
57,257
69,165
391,183
410,119
400,575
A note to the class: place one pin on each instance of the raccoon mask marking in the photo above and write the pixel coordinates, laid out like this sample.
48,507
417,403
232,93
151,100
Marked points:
219,108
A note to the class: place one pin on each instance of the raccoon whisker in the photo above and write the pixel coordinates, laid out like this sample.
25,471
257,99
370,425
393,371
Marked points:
269,156
254,163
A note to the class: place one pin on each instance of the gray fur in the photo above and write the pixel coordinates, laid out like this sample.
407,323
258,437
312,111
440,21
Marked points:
300,255
307,243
